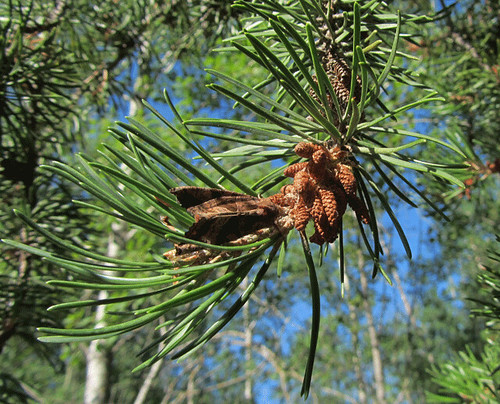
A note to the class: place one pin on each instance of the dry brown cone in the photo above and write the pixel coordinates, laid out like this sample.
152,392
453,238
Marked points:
300,215
320,157
348,181
324,232
330,102
340,198
290,171
339,73
306,150
359,207
318,165
318,215
346,177
304,185
329,203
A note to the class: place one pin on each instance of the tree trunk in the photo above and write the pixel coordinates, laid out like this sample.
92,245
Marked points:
153,372
378,370
99,355
98,358
357,358
248,394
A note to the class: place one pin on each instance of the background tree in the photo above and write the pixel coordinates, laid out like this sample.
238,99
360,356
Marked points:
267,299
464,47
475,376
66,65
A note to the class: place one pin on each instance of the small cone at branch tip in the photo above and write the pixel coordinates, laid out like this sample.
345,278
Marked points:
347,179
321,189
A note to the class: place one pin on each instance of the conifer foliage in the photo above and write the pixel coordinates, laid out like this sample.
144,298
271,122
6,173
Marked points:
319,117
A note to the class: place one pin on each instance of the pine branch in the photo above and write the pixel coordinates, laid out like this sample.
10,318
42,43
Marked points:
321,121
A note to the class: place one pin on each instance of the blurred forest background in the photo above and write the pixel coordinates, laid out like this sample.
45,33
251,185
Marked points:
70,68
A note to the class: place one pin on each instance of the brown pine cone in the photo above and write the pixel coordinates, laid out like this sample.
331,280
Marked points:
304,185
329,205
340,197
359,207
300,215
346,177
320,156
317,209
306,150
290,171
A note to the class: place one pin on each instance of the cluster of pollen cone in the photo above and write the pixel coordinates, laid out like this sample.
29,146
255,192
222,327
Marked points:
323,185
322,188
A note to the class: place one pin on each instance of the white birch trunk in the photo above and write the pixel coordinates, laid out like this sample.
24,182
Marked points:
98,355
